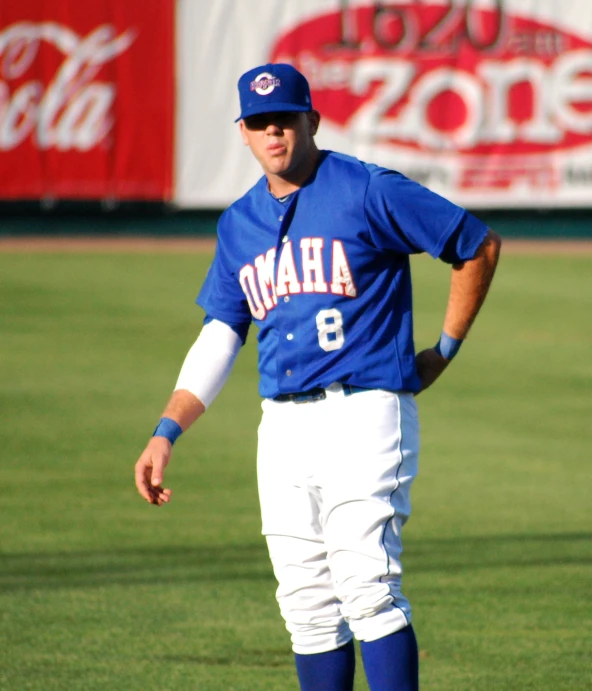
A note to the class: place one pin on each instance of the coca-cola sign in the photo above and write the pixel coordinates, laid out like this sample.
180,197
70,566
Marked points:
470,95
86,99
72,111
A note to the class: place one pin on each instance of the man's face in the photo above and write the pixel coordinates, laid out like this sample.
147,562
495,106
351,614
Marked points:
281,142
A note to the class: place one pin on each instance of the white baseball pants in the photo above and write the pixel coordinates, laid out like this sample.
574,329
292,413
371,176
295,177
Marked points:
334,479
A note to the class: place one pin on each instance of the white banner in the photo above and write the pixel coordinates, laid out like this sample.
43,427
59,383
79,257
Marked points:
488,102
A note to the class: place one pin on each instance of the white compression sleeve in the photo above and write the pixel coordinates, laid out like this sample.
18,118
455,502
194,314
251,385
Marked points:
209,361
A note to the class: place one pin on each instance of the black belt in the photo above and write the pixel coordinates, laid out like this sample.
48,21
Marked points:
316,394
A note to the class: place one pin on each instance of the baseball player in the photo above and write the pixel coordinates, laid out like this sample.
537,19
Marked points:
316,254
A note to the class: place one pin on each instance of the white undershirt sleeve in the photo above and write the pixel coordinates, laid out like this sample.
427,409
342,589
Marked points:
209,361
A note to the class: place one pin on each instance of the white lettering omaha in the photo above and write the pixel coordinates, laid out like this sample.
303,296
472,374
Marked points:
257,281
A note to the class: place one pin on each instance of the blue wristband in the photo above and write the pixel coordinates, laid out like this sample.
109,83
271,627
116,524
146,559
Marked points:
169,429
447,346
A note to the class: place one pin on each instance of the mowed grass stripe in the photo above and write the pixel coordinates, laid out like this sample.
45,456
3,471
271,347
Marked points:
99,590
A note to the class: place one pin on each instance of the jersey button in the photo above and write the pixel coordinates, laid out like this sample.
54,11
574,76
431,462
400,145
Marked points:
287,298
290,337
280,218
285,239
289,372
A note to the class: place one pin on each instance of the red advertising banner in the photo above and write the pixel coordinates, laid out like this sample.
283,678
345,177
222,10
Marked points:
489,102
86,99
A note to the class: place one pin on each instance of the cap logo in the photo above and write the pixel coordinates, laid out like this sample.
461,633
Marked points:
264,83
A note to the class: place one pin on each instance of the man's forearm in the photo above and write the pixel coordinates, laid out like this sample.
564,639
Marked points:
469,286
184,408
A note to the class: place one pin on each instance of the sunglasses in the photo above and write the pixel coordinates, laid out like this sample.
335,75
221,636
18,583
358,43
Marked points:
282,120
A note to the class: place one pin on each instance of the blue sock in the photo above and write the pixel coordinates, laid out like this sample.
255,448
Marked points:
391,663
331,671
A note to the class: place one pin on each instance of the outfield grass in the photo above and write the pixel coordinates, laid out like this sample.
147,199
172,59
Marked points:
98,590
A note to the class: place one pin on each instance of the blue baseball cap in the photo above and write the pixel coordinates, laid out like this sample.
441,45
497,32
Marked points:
273,88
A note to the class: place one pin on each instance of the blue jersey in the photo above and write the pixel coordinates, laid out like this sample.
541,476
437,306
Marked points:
325,274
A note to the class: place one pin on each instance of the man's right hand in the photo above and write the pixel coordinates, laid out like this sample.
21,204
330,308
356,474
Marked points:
150,471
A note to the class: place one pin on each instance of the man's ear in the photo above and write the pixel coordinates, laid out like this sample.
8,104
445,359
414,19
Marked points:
314,118
243,131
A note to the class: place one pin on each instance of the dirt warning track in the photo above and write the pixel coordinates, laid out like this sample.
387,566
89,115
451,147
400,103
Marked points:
106,244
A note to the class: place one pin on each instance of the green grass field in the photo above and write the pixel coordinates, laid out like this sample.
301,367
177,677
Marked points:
98,590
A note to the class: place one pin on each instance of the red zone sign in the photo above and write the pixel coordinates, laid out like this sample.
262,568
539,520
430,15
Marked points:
507,98
86,99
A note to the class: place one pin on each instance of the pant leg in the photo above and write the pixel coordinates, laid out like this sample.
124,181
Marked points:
366,502
306,595
290,509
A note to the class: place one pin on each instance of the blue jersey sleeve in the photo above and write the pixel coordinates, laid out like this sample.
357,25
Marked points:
464,241
221,295
403,216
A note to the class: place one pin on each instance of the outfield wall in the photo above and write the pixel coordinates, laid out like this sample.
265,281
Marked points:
160,221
